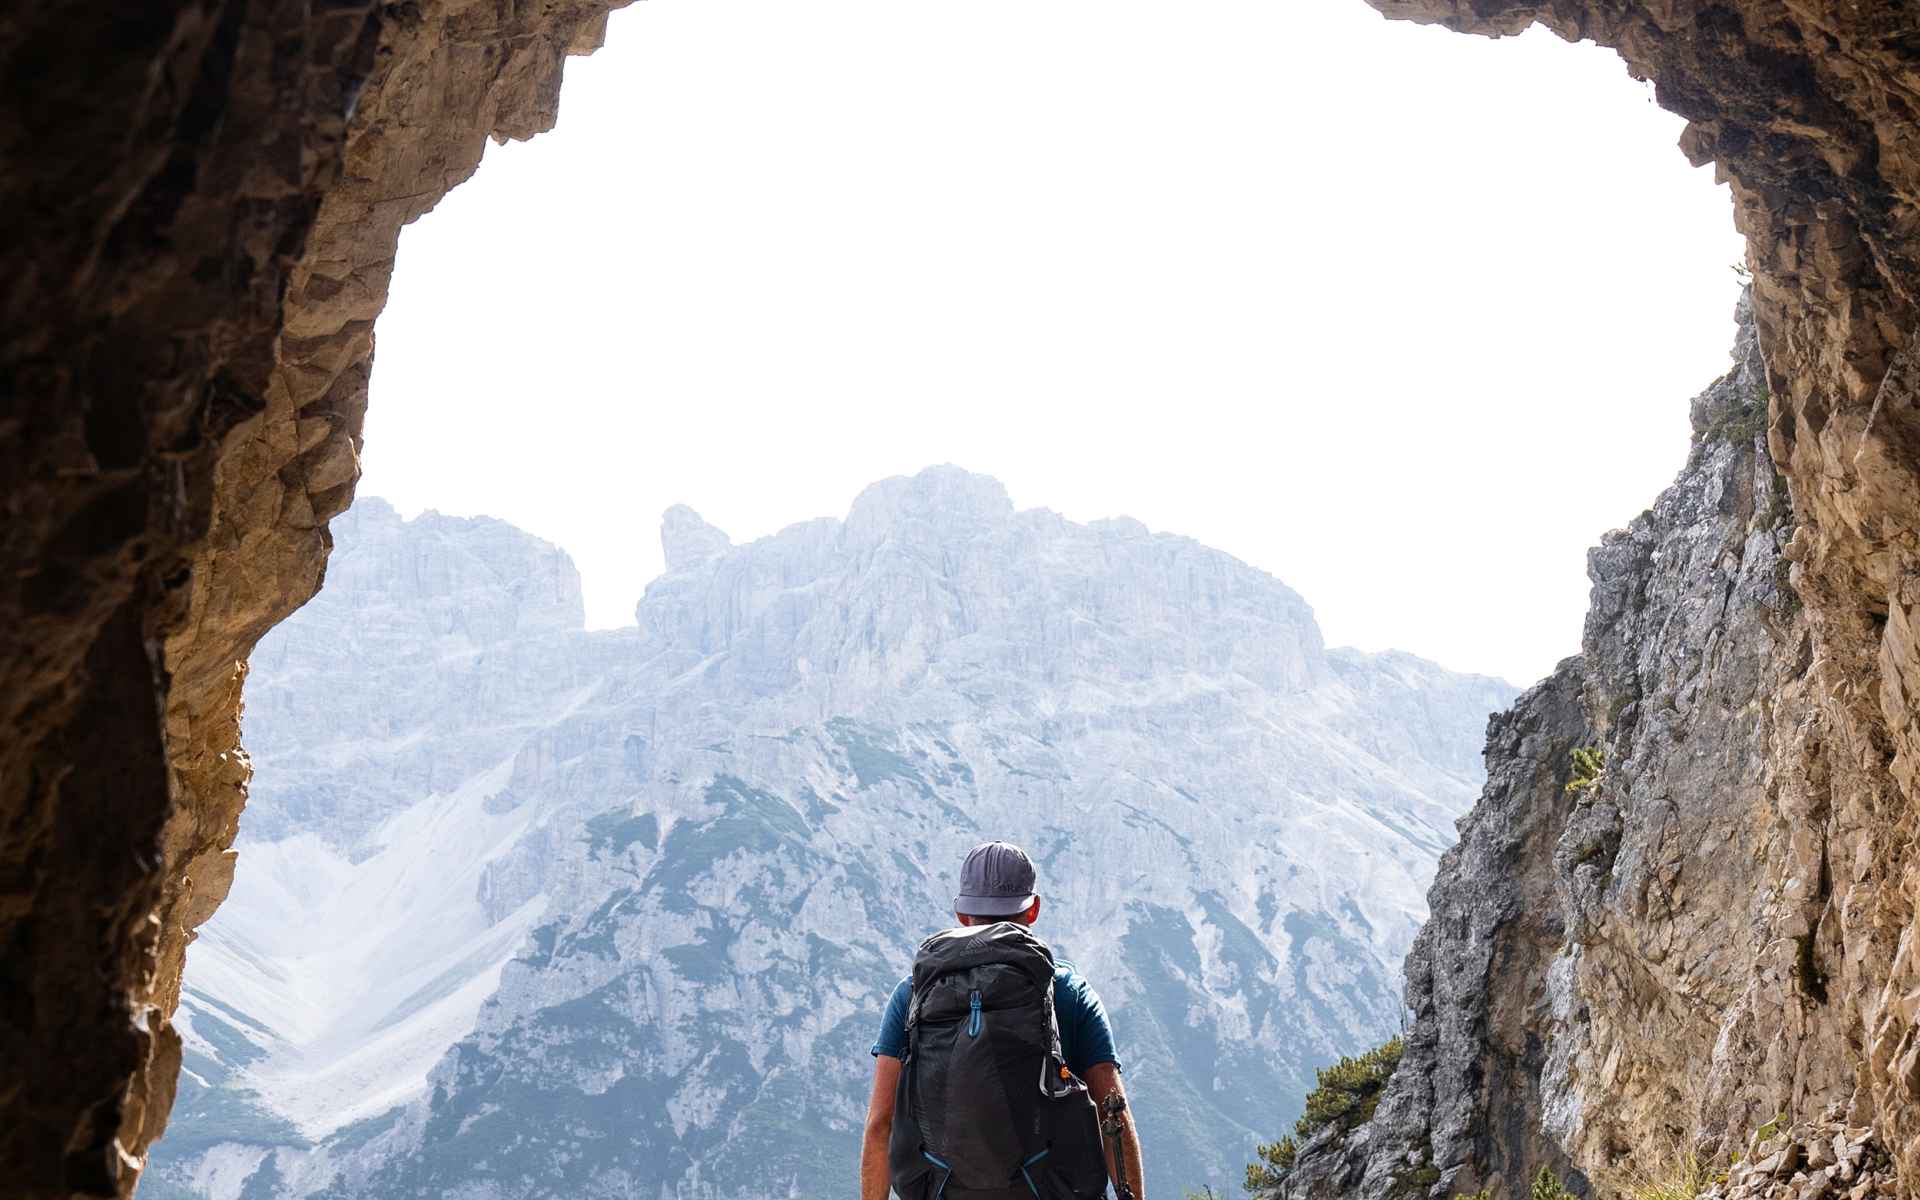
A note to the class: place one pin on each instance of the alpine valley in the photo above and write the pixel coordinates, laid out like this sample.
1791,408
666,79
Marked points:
524,910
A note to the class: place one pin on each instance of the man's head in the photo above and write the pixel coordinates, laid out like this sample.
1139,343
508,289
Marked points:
996,884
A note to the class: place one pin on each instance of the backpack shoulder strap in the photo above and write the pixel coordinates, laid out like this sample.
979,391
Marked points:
913,1017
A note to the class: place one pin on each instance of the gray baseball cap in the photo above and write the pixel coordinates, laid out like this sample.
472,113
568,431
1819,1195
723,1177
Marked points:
995,881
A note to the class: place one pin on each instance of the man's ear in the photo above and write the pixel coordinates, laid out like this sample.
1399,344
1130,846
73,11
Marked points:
963,918
1033,911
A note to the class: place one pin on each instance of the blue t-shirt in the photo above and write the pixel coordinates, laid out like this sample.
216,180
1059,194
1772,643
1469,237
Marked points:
1086,1039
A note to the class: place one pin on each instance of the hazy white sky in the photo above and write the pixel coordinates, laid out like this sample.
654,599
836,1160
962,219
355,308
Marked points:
1406,318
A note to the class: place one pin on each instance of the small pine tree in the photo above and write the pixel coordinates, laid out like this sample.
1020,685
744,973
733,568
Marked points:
1275,1159
1344,1094
1589,764
1348,1091
1547,1186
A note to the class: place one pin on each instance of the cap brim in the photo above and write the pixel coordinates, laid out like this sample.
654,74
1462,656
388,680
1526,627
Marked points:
992,906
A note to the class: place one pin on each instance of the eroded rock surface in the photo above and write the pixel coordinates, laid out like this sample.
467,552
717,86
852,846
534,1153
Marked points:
1699,991
1463,1106
1653,963
1809,111
214,192
1808,1160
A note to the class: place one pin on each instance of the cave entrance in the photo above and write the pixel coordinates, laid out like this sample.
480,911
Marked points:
282,408
1086,258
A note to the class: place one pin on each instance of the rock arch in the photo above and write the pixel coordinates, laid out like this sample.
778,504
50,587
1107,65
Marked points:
211,192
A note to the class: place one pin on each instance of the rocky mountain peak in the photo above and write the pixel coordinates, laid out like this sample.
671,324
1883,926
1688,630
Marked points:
689,540
477,576
943,497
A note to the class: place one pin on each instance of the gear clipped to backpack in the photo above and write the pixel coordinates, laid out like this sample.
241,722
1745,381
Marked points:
986,1108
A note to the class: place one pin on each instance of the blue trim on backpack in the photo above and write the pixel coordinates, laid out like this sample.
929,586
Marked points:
939,1191
973,1022
1031,1186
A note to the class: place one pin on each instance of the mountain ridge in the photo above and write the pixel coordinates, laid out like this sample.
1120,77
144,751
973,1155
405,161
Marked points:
694,854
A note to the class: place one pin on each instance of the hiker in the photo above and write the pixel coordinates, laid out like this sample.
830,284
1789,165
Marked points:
986,1009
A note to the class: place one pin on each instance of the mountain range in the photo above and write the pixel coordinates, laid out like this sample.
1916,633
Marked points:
527,910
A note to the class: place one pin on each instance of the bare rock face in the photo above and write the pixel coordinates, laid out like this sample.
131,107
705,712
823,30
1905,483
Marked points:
1462,1110
687,540
161,162
444,78
1638,965
1809,110
1697,993
214,190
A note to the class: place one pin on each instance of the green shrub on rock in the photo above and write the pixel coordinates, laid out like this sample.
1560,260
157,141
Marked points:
1275,1160
1347,1092
1344,1095
1547,1186
1589,764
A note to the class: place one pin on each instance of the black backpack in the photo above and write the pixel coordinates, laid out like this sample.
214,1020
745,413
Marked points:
986,1109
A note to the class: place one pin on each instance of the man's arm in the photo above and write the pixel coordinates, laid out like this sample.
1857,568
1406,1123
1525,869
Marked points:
873,1151
1103,1080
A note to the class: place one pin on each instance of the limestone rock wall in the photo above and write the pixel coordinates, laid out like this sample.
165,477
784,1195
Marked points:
1654,963
214,192
163,162
1704,982
444,78
1462,1111
1810,111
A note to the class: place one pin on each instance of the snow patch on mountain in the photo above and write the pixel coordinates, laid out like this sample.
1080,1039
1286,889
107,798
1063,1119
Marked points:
359,1017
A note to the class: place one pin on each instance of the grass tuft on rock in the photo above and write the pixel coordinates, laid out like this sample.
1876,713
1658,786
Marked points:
1687,1179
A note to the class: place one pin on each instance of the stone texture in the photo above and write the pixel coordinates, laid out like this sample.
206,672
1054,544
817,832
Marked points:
1808,110
1650,966
1703,920
1756,1172
215,191
1466,1097
687,540
166,159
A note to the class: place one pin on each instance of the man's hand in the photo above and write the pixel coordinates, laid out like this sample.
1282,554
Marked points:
873,1150
1103,1080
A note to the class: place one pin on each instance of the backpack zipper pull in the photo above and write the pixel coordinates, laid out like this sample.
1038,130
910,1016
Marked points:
973,1022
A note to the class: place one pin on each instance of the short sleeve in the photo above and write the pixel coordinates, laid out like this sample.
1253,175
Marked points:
892,1041
1086,1036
